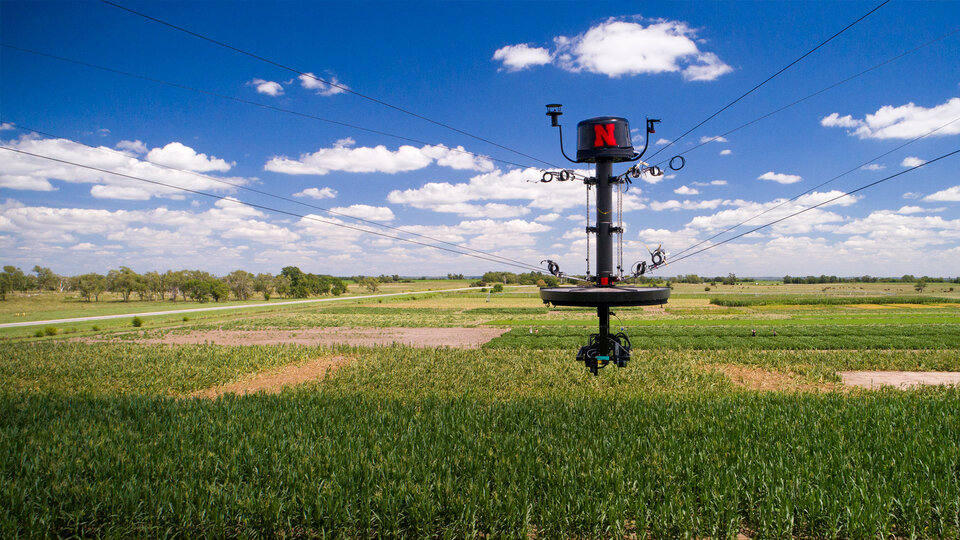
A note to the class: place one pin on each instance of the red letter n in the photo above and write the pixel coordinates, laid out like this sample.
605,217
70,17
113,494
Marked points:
604,134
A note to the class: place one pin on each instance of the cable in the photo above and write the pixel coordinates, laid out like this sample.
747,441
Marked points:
280,197
248,102
927,134
267,208
817,93
768,79
816,206
330,83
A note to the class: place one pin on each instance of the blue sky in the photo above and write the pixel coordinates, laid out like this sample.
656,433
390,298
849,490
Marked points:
487,68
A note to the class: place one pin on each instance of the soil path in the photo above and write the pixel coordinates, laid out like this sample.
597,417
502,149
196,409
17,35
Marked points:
899,379
755,378
466,338
274,381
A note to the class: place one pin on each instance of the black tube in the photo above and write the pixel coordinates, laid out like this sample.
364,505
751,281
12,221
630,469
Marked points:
604,222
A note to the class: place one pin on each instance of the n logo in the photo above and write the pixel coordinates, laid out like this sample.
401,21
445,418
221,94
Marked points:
604,133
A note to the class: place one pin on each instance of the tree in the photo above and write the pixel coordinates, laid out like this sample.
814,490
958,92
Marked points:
731,279
920,285
281,284
498,287
240,283
371,284
91,285
17,279
46,278
123,281
263,284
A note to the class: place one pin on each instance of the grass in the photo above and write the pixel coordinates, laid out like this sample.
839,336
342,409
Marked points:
743,300
435,443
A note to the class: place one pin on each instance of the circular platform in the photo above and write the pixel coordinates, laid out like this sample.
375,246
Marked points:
605,296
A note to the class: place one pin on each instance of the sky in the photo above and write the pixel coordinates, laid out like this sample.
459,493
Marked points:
429,117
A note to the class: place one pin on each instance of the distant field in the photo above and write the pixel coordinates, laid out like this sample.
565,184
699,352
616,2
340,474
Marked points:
709,432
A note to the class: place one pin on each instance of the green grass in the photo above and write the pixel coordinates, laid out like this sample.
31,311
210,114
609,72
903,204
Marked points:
757,300
434,443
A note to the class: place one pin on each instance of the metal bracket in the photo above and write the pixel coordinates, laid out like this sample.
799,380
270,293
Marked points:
591,230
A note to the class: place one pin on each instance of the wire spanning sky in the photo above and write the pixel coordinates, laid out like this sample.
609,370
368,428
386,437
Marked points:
486,69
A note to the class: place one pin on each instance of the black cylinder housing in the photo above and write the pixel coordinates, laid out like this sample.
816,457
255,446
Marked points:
604,137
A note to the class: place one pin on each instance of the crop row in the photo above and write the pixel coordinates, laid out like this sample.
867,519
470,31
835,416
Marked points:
798,299
332,464
741,336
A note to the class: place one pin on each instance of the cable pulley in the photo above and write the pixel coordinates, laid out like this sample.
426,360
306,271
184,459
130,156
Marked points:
562,175
552,267
680,164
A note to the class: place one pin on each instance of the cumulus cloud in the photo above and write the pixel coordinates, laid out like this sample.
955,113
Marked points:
521,56
893,228
903,122
548,218
619,46
183,157
911,161
4,126
711,183
684,190
365,211
726,152
873,167
659,206
317,193
330,88
19,171
745,211
344,157
270,88
661,141
780,178
951,194
715,138
134,147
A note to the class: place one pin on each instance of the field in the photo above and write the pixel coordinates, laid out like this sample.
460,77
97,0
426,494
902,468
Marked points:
711,431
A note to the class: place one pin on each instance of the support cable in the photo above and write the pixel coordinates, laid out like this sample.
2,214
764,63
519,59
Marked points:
817,93
253,103
267,208
768,79
268,194
858,167
848,193
327,82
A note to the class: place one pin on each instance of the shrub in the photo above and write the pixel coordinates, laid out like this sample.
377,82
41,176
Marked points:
50,330
95,328
707,288
498,288
38,333
137,322
185,318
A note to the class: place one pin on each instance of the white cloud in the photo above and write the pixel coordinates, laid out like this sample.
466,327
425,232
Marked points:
270,88
522,56
548,218
951,194
343,157
903,122
780,178
715,138
661,141
618,47
873,167
711,183
134,147
920,210
835,120
745,211
364,211
183,157
19,171
4,126
315,193
684,190
911,161
892,228
658,206
312,82
912,195
726,152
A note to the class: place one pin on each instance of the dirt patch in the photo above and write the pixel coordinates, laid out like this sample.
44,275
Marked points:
465,338
755,378
274,381
899,379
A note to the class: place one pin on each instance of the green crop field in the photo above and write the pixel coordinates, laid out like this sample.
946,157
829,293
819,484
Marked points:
709,432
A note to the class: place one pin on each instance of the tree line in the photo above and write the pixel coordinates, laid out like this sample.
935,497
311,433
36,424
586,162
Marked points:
195,285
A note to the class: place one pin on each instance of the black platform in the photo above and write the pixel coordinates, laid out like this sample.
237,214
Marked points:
605,296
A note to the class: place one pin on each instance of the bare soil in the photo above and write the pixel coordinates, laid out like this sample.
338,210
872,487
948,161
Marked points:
755,378
465,338
274,381
899,379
